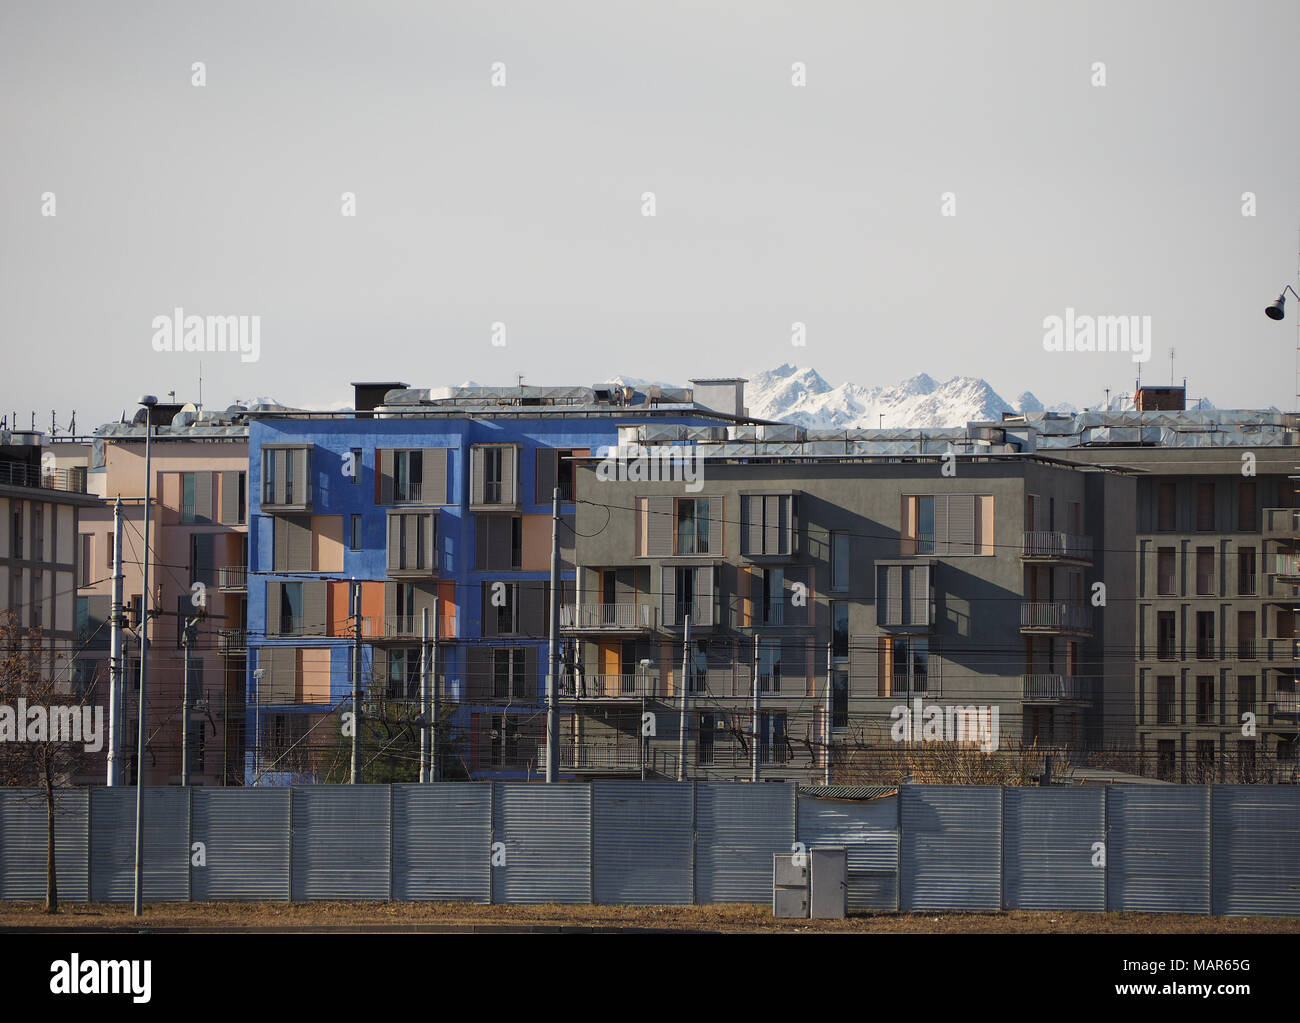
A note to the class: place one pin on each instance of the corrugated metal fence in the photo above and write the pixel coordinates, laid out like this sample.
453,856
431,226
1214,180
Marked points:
1224,849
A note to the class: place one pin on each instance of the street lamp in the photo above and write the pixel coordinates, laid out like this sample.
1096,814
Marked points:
148,402
1278,309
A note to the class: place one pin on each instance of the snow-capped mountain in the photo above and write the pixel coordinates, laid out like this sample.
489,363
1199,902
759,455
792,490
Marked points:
801,395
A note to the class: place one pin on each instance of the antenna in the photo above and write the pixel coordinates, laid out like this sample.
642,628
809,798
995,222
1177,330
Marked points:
1171,366
200,401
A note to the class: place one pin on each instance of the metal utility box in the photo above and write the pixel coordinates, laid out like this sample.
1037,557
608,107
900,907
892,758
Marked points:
829,882
789,886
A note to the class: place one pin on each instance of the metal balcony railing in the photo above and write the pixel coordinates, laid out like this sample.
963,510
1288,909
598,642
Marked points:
406,627
1057,687
623,755
1286,703
632,686
232,578
22,474
1043,544
408,492
1058,616
612,617
233,640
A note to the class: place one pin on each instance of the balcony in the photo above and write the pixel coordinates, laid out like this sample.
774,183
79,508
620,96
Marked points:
616,687
620,757
407,628
1056,688
408,492
1285,704
1282,567
233,579
1062,547
233,642
1281,523
1060,617
616,618
23,474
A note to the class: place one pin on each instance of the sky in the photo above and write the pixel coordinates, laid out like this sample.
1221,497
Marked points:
947,177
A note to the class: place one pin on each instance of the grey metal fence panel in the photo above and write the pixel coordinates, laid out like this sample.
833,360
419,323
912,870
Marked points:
245,836
1256,850
166,873
1048,853
546,832
739,826
24,825
868,830
340,842
951,847
441,842
643,838
1158,848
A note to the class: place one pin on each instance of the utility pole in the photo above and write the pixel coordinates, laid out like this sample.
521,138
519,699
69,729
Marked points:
148,401
552,648
681,728
356,683
117,653
757,703
434,695
829,733
424,696
186,625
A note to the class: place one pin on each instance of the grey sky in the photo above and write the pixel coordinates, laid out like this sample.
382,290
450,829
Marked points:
522,204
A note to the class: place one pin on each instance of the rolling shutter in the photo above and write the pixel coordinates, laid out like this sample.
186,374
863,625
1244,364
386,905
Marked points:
659,526
384,461
705,595
545,477
717,542
273,602
435,476
281,676
314,601
479,683
919,580
476,476
509,472
894,595
301,481
961,524
203,497
667,607
751,508
230,497
276,456
774,524
532,608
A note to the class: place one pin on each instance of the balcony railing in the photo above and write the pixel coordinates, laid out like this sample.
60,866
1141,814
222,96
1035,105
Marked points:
22,474
231,578
233,640
1057,687
1056,616
623,755
1286,703
407,627
634,686
608,617
408,493
1065,546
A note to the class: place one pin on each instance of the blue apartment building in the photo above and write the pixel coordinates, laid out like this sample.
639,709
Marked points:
419,500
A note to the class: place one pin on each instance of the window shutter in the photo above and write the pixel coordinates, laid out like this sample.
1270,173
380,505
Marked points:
500,547
230,497
919,580
744,606
384,461
941,547
277,457
885,669
667,606
489,610
795,615
545,477
203,497
704,595
894,595
659,526
531,610
773,526
301,481
480,673
202,570
299,544
961,524
281,681
717,542
751,524
509,474
435,476
394,542
273,609
313,607
429,523
477,478
526,688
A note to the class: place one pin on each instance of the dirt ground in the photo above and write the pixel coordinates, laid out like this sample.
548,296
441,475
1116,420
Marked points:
433,916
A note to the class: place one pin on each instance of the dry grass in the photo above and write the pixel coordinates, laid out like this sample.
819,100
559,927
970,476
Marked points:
401,916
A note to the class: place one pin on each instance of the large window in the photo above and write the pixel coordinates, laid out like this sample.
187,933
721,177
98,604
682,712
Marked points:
509,674
1246,571
1205,699
1165,700
1205,571
839,562
408,475
1165,572
769,666
772,596
404,673
1166,522
1166,636
839,698
947,525
692,526
908,664
1205,634
839,628
765,524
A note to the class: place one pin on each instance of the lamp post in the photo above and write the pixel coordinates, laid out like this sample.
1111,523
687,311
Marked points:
148,402
1278,309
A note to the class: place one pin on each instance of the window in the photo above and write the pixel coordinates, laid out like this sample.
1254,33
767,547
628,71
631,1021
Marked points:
505,740
1205,571
1246,506
947,525
925,526
692,534
1166,521
903,595
288,480
202,560
108,537
198,741
285,476
1165,572
684,591
1245,695
356,466
906,662
408,475
1246,635
38,599
1166,636
354,532
769,666
1205,699
1166,759
1165,700
38,532
765,524
1205,634
704,747
509,674
16,532
773,596
555,471
772,744
84,560
698,681
197,690
1204,507
503,601
1205,755
1246,571
83,620
187,497
839,698
839,628
196,496
493,477
499,542
404,673
290,608
839,562
1246,757
412,542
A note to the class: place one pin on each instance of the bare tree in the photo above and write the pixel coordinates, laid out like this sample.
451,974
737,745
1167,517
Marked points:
50,752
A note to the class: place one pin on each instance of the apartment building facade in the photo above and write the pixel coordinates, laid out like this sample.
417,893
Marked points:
421,501
1215,563
847,576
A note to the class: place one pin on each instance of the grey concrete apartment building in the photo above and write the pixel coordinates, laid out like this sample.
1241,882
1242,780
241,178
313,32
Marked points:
955,567
1214,610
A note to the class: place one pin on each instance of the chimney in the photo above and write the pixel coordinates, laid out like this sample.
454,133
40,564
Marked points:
1161,399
